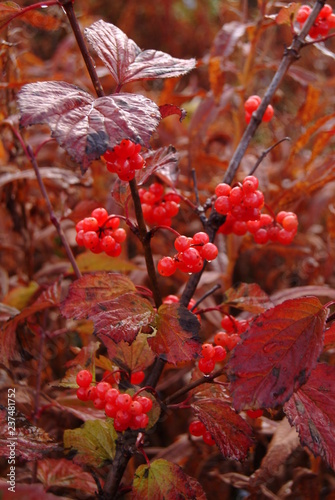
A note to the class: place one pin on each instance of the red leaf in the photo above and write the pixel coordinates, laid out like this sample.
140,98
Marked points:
162,479
27,492
247,297
311,409
85,126
227,38
329,340
134,357
111,302
278,352
286,15
87,291
171,109
48,298
176,338
229,430
127,62
62,473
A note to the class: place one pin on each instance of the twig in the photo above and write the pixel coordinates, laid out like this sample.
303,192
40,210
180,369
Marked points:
266,152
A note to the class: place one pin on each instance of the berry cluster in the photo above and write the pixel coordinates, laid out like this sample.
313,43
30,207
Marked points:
158,207
229,337
280,229
197,429
126,410
251,104
191,255
323,23
101,233
240,203
124,159
211,355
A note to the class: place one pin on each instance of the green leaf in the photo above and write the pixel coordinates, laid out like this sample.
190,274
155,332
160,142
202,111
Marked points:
88,262
176,338
134,357
163,480
94,442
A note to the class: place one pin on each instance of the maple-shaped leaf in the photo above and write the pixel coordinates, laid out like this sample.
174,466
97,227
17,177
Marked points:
161,480
311,410
30,442
111,301
127,62
86,127
278,353
48,298
134,357
247,297
176,338
62,473
94,442
230,431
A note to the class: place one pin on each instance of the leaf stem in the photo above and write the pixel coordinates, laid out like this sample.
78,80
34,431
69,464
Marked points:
71,15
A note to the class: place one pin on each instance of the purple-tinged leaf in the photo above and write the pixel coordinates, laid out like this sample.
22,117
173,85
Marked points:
84,126
311,410
127,62
230,431
247,297
176,338
279,350
62,473
227,38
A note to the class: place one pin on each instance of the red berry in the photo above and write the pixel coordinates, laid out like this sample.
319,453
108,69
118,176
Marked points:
222,205
182,243
196,428
110,410
208,439
102,388
111,395
236,196
137,377
145,402
207,350
200,238
123,401
254,413
252,103
219,353
167,266
90,224
99,403
228,324
222,189
100,214
82,394
303,13
209,251
220,338
261,236
206,366
139,421
290,222
135,408
268,115
84,378
119,235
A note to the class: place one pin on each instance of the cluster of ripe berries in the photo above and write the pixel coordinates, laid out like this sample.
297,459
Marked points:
251,104
124,159
101,233
128,412
198,429
323,23
191,255
242,206
158,207
224,341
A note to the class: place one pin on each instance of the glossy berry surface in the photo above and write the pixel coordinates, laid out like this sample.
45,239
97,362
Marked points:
84,378
124,159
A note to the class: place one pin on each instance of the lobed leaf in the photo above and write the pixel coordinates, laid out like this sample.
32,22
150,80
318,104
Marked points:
62,473
127,62
230,431
176,338
84,126
94,443
111,302
134,357
247,297
161,480
278,353
311,410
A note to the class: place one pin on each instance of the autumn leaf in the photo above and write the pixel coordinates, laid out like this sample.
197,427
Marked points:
112,303
229,430
329,340
126,61
161,480
134,357
247,297
176,338
311,410
278,353
287,15
42,20
27,492
48,298
94,443
31,442
84,126
83,361
62,473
